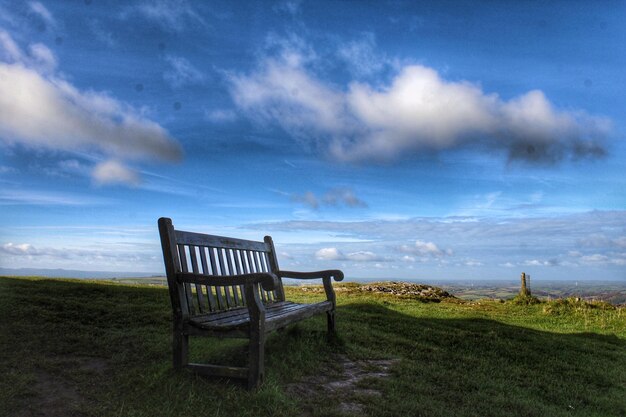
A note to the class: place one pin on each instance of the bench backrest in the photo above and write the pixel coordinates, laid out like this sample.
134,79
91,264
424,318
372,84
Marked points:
218,256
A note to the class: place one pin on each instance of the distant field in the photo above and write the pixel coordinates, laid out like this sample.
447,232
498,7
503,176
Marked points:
609,291
95,348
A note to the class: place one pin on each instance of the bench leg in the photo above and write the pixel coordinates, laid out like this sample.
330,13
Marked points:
330,318
256,370
181,349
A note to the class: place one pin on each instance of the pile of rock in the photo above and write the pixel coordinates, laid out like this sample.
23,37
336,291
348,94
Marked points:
420,292
417,291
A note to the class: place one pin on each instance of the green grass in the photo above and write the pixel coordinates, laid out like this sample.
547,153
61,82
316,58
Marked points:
103,349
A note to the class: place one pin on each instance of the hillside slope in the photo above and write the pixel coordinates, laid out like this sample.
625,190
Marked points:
103,349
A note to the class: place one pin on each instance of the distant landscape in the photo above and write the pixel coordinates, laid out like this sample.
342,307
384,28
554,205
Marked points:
613,292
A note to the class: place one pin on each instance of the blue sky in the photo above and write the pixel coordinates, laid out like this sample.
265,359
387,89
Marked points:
400,140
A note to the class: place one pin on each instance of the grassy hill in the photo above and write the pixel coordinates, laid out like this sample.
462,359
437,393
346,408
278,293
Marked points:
103,349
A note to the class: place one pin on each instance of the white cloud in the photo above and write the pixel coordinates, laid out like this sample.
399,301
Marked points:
424,248
41,110
9,50
329,254
417,111
52,113
283,93
537,262
113,172
182,72
22,249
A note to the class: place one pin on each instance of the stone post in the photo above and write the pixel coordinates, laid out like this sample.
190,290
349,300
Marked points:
524,291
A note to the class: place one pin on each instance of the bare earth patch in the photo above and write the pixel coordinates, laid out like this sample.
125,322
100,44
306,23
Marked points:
345,381
56,395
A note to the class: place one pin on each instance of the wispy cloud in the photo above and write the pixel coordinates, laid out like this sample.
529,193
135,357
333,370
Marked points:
39,109
46,17
170,15
361,57
182,72
47,198
417,111
291,7
334,254
220,115
334,197
101,34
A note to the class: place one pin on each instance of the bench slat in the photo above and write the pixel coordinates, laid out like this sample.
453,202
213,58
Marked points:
220,298
200,239
205,269
239,270
229,259
187,286
220,258
194,266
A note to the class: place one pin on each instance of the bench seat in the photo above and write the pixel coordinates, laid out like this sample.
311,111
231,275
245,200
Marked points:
277,315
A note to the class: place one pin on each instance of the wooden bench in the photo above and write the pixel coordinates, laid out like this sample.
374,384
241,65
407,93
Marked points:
226,287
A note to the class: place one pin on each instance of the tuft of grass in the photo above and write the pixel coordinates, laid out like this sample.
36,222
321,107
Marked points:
525,300
101,349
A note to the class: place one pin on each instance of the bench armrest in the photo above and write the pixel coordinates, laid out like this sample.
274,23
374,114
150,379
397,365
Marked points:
325,275
268,281
334,273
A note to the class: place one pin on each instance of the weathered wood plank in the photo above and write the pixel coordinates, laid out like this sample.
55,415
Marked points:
273,264
187,286
218,294
255,267
239,269
276,292
195,268
205,269
227,297
200,239
231,268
